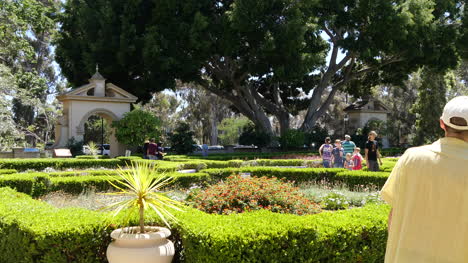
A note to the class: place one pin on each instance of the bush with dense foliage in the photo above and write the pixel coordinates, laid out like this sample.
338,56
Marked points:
238,194
76,147
252,136
292,139
136,126
34,231
182,139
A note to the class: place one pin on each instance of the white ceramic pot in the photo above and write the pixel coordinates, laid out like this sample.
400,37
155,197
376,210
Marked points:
150,247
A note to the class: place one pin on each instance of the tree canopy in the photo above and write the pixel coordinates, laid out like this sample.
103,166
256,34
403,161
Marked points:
265,57
26,29
137,126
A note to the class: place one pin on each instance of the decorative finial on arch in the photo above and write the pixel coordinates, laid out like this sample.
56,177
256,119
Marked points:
97,75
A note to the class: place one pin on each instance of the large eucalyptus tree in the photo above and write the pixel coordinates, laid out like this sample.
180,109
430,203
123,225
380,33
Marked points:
274,57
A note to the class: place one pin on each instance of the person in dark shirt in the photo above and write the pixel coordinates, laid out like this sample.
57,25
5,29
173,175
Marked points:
338,155
159,151
152,149
145,149
372,153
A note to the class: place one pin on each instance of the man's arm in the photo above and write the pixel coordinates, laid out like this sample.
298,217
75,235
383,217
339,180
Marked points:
378,156
320,150
366,151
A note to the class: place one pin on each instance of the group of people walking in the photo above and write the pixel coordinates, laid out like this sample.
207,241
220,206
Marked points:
152,150
346,155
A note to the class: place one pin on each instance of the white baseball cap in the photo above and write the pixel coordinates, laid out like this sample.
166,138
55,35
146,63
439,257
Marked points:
456,107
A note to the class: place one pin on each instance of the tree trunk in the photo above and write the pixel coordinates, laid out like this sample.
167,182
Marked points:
214,126
244,102
284,122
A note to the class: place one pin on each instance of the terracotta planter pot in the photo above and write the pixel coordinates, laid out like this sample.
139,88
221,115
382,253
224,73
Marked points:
150,247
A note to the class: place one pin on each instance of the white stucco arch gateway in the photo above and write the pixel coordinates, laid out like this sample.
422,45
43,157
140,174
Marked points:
96,98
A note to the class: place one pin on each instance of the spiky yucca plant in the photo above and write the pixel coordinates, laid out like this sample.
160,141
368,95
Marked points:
142,184
93,148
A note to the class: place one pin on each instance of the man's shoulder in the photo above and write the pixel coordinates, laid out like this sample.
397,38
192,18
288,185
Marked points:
420,153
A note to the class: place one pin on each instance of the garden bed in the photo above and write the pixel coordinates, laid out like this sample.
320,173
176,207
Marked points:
38,232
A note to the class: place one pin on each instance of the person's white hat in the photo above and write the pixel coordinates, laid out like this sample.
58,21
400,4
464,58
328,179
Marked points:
456,107
347,136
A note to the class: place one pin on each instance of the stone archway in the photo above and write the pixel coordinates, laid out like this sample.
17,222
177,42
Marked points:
95,98
117,148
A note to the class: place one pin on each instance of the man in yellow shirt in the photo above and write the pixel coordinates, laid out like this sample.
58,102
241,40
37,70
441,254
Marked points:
428,192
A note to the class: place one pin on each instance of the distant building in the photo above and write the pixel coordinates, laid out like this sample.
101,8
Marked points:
363,111
96,98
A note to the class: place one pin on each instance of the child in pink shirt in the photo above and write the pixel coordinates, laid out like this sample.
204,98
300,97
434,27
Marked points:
357,159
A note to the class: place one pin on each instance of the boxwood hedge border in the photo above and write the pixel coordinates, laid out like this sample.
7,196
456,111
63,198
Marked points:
33,231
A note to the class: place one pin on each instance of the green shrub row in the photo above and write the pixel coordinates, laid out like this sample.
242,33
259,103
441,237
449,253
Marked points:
78,181
356,235
8,171
352,179
58,164
41,164
251,156
82,173
37,184
8,165
92,157
242,156
33,231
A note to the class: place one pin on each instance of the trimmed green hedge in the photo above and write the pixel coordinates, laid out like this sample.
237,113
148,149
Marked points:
41,164
8,171
79,184
291,174
37,184
352,179
244,156
34,184
92,157
82,173
164,166
34,231
356,235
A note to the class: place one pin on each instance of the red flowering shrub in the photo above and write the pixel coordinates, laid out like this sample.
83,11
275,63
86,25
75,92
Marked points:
237,195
